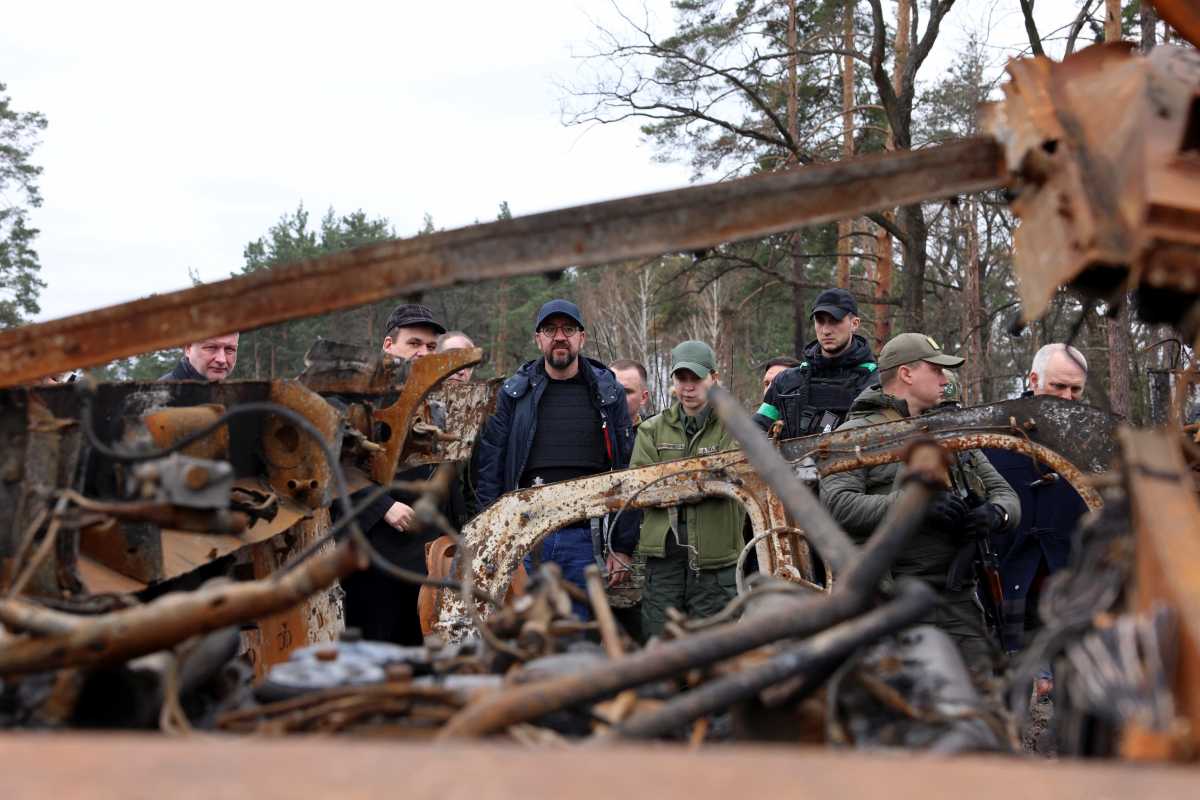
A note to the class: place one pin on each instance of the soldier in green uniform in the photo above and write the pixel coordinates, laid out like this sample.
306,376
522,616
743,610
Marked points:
691,550
980,502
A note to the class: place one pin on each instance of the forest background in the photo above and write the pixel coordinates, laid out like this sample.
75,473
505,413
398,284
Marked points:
749,86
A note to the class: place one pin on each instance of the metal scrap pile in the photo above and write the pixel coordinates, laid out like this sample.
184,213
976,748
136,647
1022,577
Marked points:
784,661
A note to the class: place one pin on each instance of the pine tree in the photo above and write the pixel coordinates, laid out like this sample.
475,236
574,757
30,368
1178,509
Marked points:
19,265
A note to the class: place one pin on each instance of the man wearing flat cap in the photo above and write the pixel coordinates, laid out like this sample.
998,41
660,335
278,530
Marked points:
978,503
560,417
815,396
379,606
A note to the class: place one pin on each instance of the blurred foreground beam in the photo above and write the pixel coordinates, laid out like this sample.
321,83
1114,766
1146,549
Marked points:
681,220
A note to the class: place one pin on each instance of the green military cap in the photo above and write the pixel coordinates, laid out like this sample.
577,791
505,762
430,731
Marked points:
694,356
909,347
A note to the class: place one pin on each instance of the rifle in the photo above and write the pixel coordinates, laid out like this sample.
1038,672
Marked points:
979,554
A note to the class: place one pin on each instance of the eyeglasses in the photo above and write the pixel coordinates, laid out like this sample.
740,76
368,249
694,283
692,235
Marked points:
567,330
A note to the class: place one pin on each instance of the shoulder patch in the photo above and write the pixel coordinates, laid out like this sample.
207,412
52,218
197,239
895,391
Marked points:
869,366
769,411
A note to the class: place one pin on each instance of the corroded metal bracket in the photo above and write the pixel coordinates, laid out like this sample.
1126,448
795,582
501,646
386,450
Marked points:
393,424
1166,517
502,535
1075,436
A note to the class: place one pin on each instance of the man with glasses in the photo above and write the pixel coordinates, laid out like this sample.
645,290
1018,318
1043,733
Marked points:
560,417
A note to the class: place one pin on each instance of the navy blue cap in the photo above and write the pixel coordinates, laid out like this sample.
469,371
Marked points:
836,302
565,307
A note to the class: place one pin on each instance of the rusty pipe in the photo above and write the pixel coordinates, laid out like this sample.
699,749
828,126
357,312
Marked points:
801,504
913,600
974,441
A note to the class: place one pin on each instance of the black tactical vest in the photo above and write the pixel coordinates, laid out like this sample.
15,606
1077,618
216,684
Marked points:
818,403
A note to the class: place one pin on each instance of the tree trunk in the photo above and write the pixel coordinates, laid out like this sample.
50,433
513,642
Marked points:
883,287
1112,20
1118,341
799,310
1148,27
499,347
799,302
846,226
971,374
911,218
883,245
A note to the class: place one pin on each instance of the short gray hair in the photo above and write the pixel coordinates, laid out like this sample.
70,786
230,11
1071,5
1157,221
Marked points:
441,340
1042,357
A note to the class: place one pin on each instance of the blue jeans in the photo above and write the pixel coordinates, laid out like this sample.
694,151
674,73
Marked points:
571,549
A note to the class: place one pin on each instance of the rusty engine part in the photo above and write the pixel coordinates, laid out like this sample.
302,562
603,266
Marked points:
1104,147
910,690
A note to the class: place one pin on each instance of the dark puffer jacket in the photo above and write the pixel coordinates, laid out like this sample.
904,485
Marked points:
508,435
802,395
183,371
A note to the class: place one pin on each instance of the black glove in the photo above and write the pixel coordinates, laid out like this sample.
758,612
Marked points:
984,520
946,512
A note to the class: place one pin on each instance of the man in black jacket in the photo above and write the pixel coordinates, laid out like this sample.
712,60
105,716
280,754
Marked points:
380,606
560,417
1050,508
210,359
815,396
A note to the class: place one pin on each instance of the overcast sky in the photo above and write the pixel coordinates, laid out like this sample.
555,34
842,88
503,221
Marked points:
179,133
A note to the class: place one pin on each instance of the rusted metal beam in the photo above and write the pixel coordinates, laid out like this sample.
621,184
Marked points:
686,219
1166,524
1082,434
199,768
832,543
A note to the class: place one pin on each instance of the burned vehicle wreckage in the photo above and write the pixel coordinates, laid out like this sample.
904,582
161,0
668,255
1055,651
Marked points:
171,560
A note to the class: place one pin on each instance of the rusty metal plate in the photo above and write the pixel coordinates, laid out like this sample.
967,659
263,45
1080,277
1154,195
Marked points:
1166,524
201,768
296,466
393,425
1081,434
466,407
1104,150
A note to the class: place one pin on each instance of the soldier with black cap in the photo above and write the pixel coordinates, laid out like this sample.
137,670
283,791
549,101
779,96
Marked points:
815,396
978,502
560,417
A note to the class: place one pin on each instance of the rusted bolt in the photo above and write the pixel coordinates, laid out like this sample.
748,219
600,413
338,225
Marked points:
399,672
196,477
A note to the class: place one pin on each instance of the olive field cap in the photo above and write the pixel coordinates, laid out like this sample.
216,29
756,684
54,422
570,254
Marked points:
836,302
564,307
909,347
694,356
411,315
